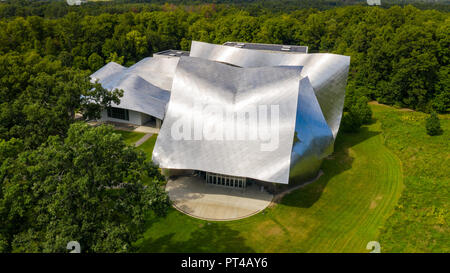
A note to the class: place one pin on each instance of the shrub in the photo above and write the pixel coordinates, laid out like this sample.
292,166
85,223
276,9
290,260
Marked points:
350,122
362,110
433,125
357,114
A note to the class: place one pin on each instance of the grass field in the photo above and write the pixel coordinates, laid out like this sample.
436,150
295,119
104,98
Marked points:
130,137
341,212
420,222
148,145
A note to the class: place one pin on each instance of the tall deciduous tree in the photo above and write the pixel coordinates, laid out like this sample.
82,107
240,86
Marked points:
89,187
39,97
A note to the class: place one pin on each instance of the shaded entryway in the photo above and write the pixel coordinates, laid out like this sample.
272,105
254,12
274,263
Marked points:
193,196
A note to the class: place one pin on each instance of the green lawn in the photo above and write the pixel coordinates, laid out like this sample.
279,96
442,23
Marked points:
420,222
340,212
130,137
148,145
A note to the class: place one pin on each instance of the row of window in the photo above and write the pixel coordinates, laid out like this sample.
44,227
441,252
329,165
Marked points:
118,113
224,180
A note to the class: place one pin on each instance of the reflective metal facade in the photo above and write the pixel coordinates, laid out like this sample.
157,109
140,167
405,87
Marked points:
146,84
313,138
309,88
327,72
200,83
269,47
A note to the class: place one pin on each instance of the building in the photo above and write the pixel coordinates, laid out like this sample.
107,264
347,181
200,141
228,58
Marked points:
230,90
76,2
269,47
146,87
374,2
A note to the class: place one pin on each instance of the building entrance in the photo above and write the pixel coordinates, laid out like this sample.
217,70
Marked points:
226,180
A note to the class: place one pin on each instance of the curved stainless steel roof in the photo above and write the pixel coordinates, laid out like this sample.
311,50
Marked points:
313,139
202,83
146,84
326,72
308,88
158,71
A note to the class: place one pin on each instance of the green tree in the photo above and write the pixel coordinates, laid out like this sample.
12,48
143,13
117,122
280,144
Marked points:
114,58
95,62
362,110
350,122
80,62
441,102
65,58
39,98
357,110
433,125
89,187
136,44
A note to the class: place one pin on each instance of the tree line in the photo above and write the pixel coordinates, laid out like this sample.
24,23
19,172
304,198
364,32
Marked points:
59,8
399,56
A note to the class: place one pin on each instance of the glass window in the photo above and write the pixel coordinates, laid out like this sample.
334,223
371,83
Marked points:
118,113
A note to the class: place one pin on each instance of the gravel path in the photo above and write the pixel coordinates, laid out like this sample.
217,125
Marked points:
143,139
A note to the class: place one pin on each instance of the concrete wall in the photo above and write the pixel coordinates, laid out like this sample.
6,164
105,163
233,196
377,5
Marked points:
145,118
134,118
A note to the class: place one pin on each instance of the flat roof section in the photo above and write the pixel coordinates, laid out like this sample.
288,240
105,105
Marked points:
269,47
172,53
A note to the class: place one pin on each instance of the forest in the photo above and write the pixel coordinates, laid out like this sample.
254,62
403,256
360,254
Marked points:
59,8
399,57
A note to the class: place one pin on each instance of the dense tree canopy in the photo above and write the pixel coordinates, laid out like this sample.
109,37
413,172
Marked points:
39,97
59,8
400,56
89,187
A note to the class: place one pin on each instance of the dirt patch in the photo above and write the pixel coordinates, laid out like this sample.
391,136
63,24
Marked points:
400,109
374,202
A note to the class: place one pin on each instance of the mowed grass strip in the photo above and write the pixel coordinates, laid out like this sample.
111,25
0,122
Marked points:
341,212
130,137
148,145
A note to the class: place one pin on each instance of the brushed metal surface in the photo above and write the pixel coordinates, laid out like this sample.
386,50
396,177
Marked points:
146,84
269,47
326,72
309,89
202,82
313,139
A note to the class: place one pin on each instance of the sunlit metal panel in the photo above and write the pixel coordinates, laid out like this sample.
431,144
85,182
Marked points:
145,84
326,72
313,139
269,47
200,83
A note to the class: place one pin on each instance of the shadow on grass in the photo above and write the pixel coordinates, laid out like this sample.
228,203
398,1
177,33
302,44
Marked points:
338,162
206,238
